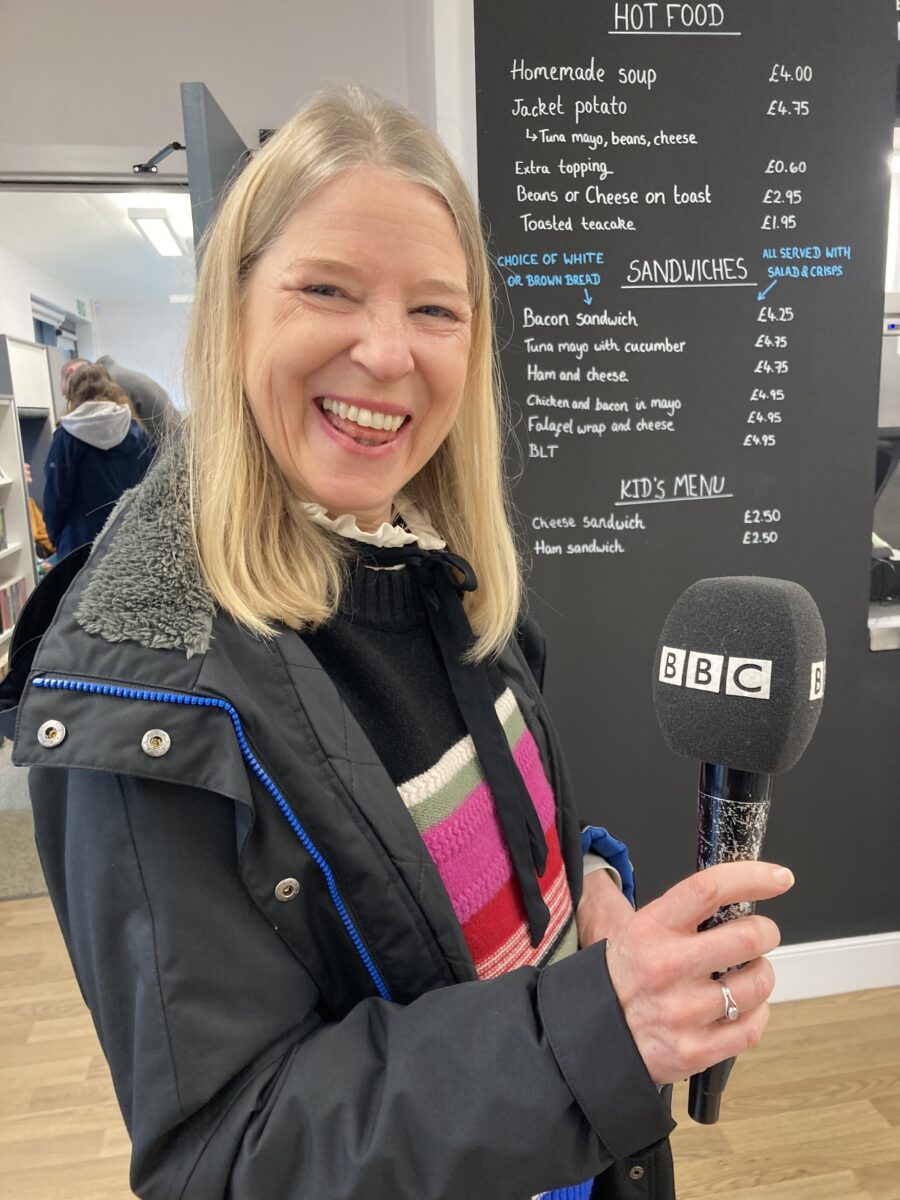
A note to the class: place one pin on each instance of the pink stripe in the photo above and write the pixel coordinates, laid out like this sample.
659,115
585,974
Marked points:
468,847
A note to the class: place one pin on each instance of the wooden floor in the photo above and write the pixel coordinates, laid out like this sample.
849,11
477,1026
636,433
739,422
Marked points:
811,1114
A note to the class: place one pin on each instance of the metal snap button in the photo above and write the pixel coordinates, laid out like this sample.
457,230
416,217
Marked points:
51,734
636,1173
156,743
287,890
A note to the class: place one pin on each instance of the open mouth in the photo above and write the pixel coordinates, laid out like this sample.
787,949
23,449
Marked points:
366,426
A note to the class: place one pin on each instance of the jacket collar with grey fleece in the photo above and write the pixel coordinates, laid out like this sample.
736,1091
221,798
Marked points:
147,587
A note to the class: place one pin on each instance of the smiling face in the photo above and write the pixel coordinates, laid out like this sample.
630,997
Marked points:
356,330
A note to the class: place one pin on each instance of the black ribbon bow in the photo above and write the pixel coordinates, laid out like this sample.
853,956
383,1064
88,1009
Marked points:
434,572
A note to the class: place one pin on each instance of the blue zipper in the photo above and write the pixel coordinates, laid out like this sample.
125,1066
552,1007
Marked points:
183,698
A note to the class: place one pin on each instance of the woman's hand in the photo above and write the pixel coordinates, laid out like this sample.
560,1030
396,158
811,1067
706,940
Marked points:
660,967
602,909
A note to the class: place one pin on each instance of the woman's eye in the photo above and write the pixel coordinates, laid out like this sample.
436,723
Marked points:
323,289
435,310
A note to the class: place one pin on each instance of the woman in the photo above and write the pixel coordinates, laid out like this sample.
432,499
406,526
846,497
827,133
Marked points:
299,804
97,453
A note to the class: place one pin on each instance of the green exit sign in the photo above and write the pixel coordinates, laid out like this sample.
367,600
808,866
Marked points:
82,311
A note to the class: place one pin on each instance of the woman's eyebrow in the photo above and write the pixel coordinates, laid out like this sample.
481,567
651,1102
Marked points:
328,265
443,285
323,264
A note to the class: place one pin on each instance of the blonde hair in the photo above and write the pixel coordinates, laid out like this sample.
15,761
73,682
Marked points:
262,557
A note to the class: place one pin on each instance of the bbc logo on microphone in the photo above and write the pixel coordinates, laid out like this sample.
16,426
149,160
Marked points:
749,677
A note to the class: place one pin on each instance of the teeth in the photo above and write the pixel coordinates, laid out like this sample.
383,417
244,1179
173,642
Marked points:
366,417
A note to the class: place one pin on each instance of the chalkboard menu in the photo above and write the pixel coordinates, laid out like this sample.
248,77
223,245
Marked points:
687,204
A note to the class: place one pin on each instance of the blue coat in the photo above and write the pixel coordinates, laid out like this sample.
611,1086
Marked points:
83,483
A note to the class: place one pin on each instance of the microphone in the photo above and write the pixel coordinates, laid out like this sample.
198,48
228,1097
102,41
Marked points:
738,682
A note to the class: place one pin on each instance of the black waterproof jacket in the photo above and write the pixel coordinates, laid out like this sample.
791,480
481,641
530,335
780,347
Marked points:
278,980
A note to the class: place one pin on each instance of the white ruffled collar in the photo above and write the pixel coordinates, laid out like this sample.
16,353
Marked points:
416,526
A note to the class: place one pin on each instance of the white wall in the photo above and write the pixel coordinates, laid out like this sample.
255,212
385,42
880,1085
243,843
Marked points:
19,281
259,61
453,55
147,335
107,72
144,335
889,397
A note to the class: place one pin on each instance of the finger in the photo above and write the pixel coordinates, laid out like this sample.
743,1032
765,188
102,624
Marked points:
742,991
701,1004
728,945
717,1042
694,900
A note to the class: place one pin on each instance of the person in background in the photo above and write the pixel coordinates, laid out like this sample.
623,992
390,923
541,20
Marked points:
43,547
301,809
67,370
151,403
97,453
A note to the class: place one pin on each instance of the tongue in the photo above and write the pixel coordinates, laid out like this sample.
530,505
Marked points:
360,433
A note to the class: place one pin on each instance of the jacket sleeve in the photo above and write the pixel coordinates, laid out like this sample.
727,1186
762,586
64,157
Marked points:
60,482
532,643
233,1083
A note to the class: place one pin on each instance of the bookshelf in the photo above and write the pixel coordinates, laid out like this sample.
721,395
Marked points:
25,406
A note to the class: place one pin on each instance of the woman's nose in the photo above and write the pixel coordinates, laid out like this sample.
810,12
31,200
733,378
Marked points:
383,347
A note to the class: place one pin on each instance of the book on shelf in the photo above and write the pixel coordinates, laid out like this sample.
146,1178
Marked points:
3,539
20,595
12,601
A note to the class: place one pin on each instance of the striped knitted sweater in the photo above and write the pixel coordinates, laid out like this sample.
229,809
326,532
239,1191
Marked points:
453,809
378,651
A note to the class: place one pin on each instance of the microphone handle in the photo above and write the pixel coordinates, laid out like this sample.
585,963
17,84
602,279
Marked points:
732,811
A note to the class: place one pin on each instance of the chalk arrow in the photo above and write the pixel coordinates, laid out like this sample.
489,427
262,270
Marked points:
762,295
588,298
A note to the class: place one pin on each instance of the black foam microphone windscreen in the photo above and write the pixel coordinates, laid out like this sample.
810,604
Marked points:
739,674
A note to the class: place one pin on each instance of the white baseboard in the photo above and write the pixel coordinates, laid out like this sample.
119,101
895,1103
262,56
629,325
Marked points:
844,965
